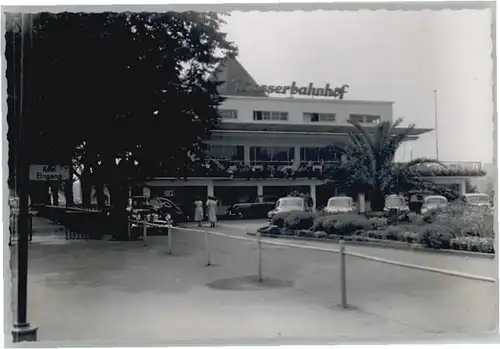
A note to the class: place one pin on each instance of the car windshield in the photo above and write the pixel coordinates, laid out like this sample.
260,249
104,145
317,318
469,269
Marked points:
436,201
344,202
480,198
395,201
291,202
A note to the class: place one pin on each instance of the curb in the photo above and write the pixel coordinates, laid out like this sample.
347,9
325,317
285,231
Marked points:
383,244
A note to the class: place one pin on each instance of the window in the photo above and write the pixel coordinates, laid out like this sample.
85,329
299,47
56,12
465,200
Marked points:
271,154
226,152
372,119
228,114
365,119
319,117
327,155
357,118
270,115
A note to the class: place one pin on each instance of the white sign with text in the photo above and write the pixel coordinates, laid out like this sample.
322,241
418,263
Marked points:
49,173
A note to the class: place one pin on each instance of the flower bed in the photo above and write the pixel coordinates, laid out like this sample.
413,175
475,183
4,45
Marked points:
458,227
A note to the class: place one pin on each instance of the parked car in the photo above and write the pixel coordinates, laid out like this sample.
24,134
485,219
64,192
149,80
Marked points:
416,199
290,204
139,207
434,202
477,199
164,207
145,208
339,204
257,209
396,204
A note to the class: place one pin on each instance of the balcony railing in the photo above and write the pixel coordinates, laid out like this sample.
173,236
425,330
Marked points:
319,170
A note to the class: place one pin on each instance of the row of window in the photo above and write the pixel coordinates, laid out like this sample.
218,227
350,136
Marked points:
273,154
262,115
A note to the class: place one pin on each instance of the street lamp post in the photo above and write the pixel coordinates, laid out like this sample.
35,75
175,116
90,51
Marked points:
22,330
436,124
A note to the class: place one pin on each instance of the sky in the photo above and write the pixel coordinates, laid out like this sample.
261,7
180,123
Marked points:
399,56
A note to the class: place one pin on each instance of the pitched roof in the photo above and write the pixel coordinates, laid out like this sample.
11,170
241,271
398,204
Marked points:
236,80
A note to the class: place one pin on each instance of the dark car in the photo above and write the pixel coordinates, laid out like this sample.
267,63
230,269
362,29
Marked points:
164,206
257,209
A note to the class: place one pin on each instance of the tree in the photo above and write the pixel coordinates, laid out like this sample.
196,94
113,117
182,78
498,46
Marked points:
129,91
370,168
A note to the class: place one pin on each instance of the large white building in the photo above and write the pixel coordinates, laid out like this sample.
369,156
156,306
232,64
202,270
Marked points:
272,137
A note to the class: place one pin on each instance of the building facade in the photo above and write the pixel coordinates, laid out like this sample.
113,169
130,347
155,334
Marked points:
265,144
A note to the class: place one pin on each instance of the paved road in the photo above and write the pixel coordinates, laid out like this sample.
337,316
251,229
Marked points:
126,293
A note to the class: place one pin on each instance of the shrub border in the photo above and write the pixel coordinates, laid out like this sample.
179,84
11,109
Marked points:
382,243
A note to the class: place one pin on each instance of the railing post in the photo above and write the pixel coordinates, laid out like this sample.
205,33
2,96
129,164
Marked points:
207,248
144,232
129,227
343,295
169,237
259,256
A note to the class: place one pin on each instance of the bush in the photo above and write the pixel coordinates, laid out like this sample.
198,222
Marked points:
299,220
435,236
346,224
394,233
473,244
464,220
279,219
318,223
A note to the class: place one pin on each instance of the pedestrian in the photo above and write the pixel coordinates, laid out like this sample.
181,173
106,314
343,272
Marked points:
198,211
212,210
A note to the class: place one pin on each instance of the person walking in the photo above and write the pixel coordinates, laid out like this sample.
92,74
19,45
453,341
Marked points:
198,211
212,210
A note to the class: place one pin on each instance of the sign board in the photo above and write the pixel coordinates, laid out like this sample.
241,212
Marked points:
293,89
49,173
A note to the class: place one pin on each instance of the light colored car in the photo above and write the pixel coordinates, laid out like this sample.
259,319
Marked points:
477,199
433,202
395,203
289,204
339,204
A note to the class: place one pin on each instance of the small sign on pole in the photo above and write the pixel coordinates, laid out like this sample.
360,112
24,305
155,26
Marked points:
49,173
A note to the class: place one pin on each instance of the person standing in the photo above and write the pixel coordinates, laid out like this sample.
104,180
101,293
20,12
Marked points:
198,211
212,210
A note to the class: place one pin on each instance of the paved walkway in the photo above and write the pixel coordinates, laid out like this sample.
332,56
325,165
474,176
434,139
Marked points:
99,292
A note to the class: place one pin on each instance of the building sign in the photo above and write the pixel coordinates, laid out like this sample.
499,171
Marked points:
293,89
49,173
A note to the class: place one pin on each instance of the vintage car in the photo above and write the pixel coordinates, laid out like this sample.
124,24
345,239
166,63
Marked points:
433,202
151,209
164,206
395,204
290,204
257,209
339,204
477,199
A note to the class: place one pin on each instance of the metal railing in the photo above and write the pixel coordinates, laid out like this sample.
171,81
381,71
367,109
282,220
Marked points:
342,251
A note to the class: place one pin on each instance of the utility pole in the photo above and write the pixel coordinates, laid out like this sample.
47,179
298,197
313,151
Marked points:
22,330
436,124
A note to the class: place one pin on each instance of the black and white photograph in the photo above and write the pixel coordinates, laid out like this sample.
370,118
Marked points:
249,174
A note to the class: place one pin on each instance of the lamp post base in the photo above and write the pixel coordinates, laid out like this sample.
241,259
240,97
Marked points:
24,333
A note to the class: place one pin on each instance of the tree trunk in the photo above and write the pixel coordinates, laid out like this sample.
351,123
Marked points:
119,214
377,200
68,192
54,186
86,188
99,192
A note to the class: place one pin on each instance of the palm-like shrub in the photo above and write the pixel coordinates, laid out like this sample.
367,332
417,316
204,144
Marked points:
370,166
